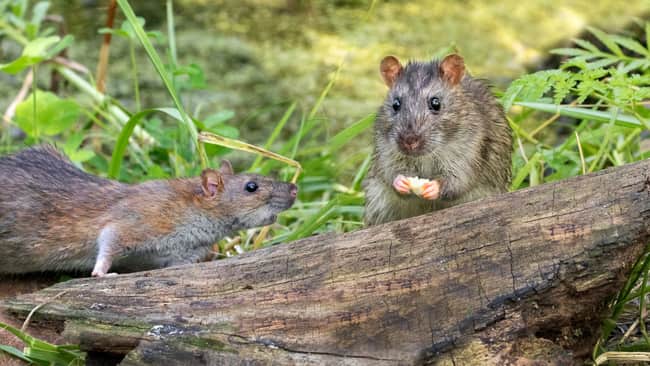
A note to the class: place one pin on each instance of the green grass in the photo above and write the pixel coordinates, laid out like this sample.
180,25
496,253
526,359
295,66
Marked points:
38,352
587,115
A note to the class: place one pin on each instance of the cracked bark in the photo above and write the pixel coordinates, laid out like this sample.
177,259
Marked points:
481,283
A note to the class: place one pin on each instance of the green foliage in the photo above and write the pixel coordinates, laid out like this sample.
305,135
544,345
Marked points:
44,113
602,92
41,353
36,51
127,31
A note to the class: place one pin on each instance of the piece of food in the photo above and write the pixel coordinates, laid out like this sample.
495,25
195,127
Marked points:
417,185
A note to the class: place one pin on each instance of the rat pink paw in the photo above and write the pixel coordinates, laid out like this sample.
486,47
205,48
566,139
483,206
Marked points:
99,274
431,190
401,184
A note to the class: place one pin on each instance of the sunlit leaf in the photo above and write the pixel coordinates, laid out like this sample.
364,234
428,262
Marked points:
34,52
53,114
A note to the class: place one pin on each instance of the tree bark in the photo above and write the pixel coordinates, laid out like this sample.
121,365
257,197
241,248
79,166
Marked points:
481,283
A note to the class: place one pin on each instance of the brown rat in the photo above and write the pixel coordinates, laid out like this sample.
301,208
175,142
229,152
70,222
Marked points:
438,123
55,217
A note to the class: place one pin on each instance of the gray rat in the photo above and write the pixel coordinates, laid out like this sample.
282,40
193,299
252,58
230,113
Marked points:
437,123
55,217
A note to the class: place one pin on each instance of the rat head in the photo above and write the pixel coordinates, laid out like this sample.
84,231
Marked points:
248,200
422,109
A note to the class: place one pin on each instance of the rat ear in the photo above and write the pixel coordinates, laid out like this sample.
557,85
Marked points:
211,182
452,69
390,68
226,168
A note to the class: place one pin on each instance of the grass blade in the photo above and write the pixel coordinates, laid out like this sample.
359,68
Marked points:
160,68
275,133
624,120
123,140
13,351
361,173
321,217
43,353
211,138
350,132
525,171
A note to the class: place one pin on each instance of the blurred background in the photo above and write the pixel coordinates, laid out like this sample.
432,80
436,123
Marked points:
259,55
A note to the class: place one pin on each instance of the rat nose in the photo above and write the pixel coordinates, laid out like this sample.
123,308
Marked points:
409,142
293,190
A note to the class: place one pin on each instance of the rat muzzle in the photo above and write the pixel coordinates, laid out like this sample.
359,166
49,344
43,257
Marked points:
410,143
284,195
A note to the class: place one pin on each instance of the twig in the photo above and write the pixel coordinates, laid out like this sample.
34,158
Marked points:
627,357
545,124
629,331
582,156
549,121
73,65
29,317
22,93
521,150
102,65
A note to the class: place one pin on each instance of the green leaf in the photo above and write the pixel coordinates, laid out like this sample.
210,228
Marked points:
34,52
586,45
631,44
562,85
511,94
71,149
622,119
81,155
123,140
73,142
39,12
53,114
640,63
14,352
128,28
529,87
127,130
65,42
194,74
601,63
217,119
607,41
647,35
525,171
569,52
116,32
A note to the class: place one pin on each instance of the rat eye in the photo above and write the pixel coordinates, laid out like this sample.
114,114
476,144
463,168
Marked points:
251,187
396,104
434,104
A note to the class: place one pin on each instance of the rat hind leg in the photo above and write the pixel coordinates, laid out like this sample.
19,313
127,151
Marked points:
108,248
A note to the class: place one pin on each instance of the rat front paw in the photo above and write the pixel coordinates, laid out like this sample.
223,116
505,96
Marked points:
431,190
401,184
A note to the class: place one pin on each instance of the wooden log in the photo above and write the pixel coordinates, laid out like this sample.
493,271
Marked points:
454,286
